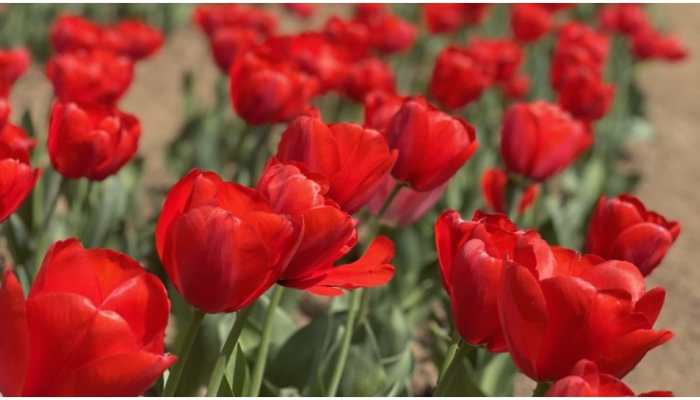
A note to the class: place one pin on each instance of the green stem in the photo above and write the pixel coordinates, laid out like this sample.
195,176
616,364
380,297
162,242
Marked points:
229,346
449,357
355,301
53,200
261,358
463,350
183,352
541,389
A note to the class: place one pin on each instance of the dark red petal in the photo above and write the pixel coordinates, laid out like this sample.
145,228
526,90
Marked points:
14,346
644,245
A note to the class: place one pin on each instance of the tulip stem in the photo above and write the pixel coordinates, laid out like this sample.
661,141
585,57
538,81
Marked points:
183,352
541,389
449,357
54,194
390,199
355,302
261,358
226,351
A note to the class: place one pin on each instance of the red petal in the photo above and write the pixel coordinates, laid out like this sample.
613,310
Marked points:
16,182
14,346
644,245
650,304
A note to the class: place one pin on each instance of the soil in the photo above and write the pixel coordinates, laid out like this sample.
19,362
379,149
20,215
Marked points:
669,163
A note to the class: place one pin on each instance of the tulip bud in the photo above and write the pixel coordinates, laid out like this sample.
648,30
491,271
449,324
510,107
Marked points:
458,78
91,141
133,39
539,139
70,32
13,63
365,76
432,145
622,228
228,44
110,311
530,22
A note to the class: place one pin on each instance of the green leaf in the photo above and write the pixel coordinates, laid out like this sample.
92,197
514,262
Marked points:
497,377
459,380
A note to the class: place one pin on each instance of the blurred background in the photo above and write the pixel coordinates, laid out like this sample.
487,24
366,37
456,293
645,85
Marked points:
668,162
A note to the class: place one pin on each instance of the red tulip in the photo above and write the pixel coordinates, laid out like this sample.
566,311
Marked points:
365,76
351,36
14,143
653,45
458,78
578,48
432,145
90,77
4,112
529,22
442,18
13,63
228,44
380,107
351,159
501,58
585,96
624,18
539,139
517,87
17,179
92,325
71,32
472,256
212,17
622,228
586,380
388,33
585,308
266,92
301,10
133,39
91,141
221,244
408,206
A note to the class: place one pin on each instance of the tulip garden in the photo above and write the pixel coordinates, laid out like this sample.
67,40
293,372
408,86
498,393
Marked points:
380,200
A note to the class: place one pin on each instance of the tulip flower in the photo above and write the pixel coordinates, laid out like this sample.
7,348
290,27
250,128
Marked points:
407,206
458,78
228,44
90,77
221,244
432,145
584,307
442,18
91,141
133,39
15,143
585,96
92,325
301,10
500,58
351,36
267,92
328,234
212,17
539,139
365,76
517,87
71,32
586,380
494,183
622,228
650,44
13,63
388,33
529,22
352,160
17,179
624,18
380,107
472,256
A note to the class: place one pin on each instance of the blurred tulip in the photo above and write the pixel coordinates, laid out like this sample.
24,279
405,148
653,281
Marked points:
432,145
539,140
442,18
71,32
472,256
380,107
458,78
352,36
529,22
266,92
13,63
585,96
407,206
388,33
351,159
653,45
15,143
228,44
17,179
494,183
501,58
579,49
133,39
4,112
301,10
622,228
586,380
365,76
586,308
92,325
517,87
221,244
624,18
212,17
90,77
91,141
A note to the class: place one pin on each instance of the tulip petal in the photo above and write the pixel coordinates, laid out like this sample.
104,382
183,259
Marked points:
626,351
14,346
450,228
16,182
650,304
644,245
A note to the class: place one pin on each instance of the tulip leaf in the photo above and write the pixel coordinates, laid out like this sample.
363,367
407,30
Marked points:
460,378
497,376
